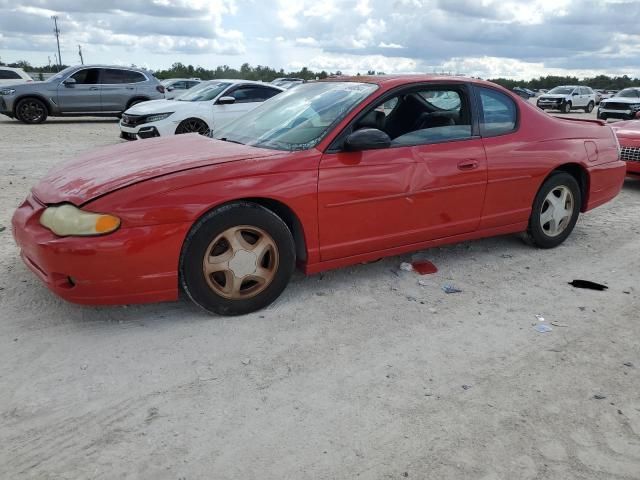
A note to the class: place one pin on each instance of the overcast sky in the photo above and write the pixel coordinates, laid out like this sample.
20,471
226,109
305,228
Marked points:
487,38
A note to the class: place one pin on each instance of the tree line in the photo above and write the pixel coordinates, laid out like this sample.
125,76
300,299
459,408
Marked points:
267,74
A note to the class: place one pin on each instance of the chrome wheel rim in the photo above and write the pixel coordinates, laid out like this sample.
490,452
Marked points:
241,262
31,111
557,211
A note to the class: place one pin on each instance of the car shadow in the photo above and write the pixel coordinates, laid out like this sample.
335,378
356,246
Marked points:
632,183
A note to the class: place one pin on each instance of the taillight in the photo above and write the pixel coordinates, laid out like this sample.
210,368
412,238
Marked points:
160,88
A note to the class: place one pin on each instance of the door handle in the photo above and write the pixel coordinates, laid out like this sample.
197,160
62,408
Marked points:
93,88
469,164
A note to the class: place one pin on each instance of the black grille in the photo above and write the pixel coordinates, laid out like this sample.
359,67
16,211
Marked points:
616,106
630,154
133,120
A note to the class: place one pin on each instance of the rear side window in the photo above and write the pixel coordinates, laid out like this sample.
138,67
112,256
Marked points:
9,75
112,76
87,76
250,94
134,77
499,113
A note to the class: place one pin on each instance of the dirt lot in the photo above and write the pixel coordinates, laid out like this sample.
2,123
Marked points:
355,373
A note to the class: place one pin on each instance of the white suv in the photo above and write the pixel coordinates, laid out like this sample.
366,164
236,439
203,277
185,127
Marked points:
13,76
567,98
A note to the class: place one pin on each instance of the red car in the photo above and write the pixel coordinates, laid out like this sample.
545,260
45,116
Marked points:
628,133
325,175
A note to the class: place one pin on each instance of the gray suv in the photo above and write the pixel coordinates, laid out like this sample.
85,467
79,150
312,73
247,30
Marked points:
95,90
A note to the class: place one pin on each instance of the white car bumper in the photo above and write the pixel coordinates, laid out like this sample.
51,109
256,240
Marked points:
148,130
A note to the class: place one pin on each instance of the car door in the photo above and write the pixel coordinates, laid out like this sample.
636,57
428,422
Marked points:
247,97
430,183
117,89
83,95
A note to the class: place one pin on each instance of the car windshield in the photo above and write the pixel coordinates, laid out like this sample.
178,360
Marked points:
296,119
60,75
561,90
629,93
203,92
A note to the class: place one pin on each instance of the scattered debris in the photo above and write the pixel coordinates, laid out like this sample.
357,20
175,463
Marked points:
450,289
424,267
405,474
152,414
423,283
246,361
597,396
84,366
542,328
628,364
558,324
589,285
582,309
539,317
466,387
2,229
628,292
406,267
412,299
506,255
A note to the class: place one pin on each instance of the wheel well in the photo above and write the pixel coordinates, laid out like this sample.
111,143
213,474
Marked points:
37,97
136,99
582,177
290,218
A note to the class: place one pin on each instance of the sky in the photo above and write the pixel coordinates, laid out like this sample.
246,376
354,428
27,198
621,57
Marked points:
518,39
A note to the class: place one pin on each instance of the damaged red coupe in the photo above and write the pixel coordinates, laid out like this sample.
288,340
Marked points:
328,174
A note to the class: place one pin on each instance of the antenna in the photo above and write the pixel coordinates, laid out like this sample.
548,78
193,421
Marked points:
80,53
57,32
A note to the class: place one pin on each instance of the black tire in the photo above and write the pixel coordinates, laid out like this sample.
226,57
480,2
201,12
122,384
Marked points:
589,108
198,242
566,107
538,232
31,111
192,125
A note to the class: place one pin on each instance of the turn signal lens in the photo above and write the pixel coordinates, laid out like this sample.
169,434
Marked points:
67,219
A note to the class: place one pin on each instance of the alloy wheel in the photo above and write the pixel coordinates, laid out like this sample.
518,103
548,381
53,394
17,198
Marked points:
557,211
240,262
193,126
31,111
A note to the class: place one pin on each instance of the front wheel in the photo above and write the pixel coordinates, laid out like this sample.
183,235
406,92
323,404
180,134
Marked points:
589,108
566,107
237,259
193,125
31,110
555,211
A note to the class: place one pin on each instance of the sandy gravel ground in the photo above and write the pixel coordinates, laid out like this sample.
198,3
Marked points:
355,373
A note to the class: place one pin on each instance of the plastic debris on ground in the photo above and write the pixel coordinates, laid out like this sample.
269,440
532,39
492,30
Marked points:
542,328
451,289
424,267
589,285
539,317
406,267
423,283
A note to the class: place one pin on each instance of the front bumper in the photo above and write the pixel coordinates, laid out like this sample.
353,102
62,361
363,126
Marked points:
605,113
549,104
6,105
631,155
131,265
147,130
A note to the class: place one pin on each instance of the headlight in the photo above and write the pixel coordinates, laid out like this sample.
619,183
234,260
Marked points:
7,91
635,106
68,219
157,117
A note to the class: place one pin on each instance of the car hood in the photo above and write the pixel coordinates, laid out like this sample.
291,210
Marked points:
627,100
31,86
159,106
111,168
629,129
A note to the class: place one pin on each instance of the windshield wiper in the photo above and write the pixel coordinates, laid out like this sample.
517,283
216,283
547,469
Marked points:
225,139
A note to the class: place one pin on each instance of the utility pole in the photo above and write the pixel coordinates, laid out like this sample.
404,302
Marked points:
57,32
80,53
49,57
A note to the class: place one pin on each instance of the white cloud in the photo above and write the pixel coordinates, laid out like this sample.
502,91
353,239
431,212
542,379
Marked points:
307,41
352,64
389,45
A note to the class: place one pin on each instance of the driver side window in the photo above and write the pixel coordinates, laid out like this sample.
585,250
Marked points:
422,116
87,76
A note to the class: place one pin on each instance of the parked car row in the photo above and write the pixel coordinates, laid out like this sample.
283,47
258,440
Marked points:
323,175
567,98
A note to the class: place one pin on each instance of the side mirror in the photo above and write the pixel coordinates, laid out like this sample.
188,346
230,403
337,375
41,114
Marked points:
367,139
226,101
575,93
69,82
170,89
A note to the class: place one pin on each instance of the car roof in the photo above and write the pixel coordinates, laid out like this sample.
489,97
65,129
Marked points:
13,69
397,80
119,67
239,80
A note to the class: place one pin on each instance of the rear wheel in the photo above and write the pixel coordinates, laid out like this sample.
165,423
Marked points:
31,110
589,108
555,211
566,107
237,259
192,125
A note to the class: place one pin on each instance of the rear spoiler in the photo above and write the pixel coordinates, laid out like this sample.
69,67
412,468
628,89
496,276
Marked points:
598,122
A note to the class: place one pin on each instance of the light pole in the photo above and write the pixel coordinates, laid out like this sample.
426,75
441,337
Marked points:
57,32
